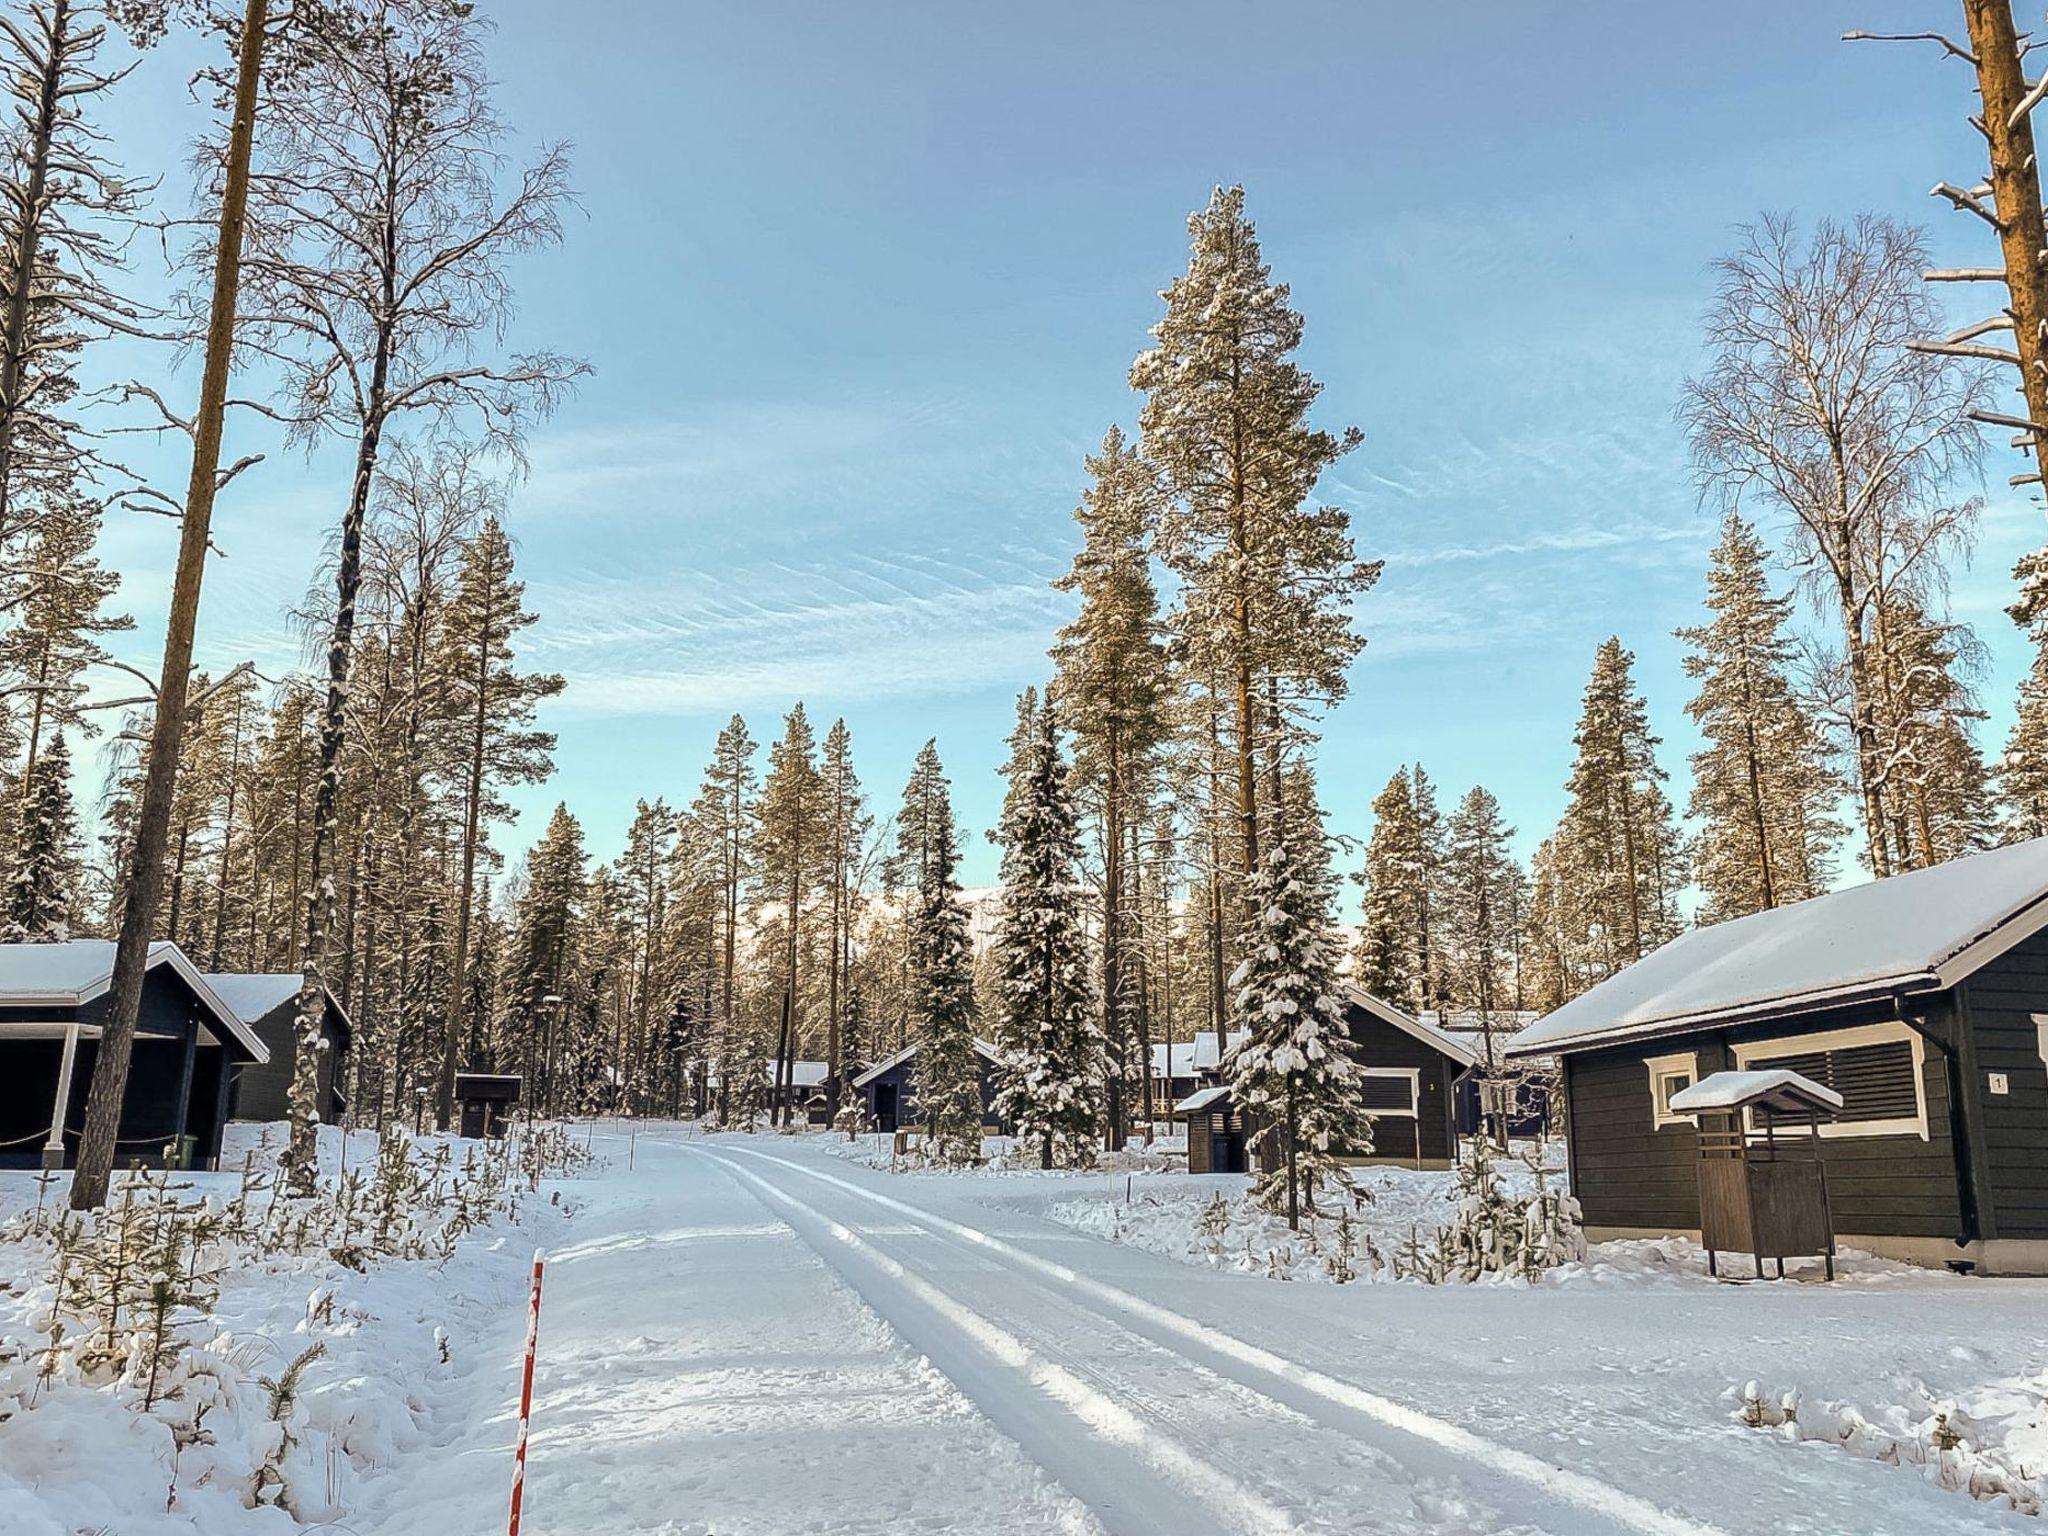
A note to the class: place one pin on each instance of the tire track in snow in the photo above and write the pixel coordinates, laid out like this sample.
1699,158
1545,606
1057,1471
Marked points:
1233,1504
1581,1490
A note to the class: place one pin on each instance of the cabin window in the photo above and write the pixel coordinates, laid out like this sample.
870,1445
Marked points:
1876,1070
1670,1075
1392,1091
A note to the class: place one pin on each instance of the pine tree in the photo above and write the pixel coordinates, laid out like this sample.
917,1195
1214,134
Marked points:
724,817
1112,692
845,825
1937,784
60,590
1051,1046
941,969
1267,580
1479,917
2023,770
1617,850
1293,1075
1762,790
42,886
792,846
495,742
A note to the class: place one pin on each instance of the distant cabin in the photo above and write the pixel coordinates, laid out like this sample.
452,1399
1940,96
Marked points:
1184,1066
888,1089
268,1003
54,1000
1412,1071
1922,1000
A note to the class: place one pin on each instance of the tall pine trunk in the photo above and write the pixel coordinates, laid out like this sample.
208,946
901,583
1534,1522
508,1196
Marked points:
145,874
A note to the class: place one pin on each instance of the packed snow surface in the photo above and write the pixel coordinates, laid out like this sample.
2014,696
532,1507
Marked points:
1896,930
760,1335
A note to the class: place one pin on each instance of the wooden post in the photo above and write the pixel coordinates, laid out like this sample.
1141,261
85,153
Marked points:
53,1149
540,1260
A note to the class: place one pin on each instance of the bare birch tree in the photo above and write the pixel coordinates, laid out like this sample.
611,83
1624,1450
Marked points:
377,270
1817,400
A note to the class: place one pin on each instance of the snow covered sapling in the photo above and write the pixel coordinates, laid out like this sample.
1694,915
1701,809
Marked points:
270,1483
1215,1226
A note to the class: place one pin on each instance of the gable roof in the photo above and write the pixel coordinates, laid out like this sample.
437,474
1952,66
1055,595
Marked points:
1918,932
256,994
80,970
1430,1034
982,1049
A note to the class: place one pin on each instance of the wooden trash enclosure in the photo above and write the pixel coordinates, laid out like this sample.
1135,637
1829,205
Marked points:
1762,1193
1216,1131
486,1100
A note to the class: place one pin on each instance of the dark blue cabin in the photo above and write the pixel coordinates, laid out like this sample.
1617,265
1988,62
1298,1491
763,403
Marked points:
268,1003
54,1000
888,1089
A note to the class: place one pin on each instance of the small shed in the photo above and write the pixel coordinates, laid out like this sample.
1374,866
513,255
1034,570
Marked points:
485,1101
1760,1194
1216,1131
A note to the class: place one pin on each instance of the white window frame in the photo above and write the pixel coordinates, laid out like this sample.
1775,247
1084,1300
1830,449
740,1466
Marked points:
1414,1077
2041,1037
1660,1068
1781,1046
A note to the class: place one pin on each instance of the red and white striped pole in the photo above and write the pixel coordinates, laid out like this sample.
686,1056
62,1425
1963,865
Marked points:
540,1260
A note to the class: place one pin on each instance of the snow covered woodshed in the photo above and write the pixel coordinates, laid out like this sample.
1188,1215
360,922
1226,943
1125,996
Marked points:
1922,1000
54,1000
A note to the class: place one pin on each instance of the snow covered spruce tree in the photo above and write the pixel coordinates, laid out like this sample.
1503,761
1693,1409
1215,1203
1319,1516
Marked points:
845,824
547,931
724,819
378,238
1293,1075
1051,1048
1398,955
941,969
1112,690
42,889
1480,917
1762,789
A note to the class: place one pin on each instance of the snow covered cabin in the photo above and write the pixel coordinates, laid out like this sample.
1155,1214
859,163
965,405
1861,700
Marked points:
888,1089
1922,1000
54,1000
268,1003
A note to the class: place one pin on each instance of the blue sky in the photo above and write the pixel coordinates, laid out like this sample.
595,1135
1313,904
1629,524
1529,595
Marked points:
861,284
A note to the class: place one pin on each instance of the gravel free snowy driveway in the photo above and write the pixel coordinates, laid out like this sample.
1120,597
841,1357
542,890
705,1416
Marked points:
749,1336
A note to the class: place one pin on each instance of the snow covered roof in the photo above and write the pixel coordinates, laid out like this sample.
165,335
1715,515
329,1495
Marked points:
1430,1034
1775,1088
1196,1055
1195,1102
982,1049
254,994
1917,932
79,970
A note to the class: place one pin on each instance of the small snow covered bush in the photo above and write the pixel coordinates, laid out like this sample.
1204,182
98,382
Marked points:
1985,1458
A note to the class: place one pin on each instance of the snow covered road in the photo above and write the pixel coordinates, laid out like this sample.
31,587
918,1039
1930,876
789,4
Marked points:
750,1336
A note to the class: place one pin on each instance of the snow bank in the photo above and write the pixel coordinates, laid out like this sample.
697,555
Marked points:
1990,1442
1001,1155
316,1368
